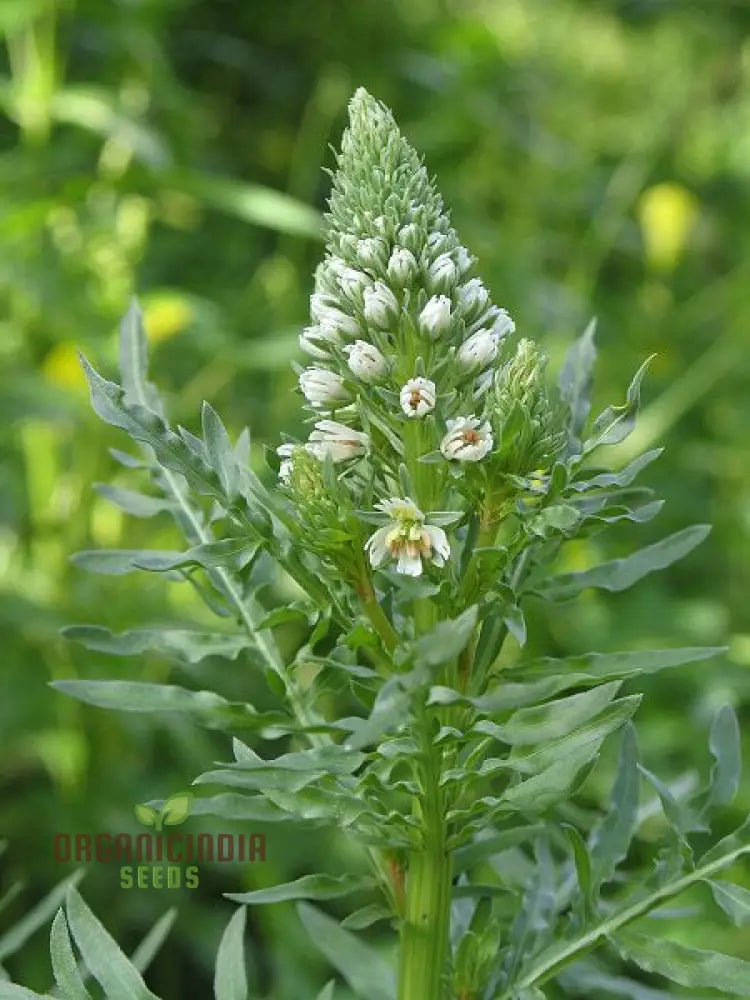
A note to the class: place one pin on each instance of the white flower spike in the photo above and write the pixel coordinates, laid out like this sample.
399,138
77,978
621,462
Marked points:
417,397
341,443
407,539
467,440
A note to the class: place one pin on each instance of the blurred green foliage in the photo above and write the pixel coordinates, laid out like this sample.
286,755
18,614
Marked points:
597,160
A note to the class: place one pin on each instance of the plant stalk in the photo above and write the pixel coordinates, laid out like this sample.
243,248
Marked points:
426,926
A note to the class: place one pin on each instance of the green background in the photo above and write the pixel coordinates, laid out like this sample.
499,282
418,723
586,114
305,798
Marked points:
596,159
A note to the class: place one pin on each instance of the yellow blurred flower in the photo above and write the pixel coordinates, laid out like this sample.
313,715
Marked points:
166,314
667,214
62,367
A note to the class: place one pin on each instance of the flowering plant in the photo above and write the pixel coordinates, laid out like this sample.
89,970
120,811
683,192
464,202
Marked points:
441,477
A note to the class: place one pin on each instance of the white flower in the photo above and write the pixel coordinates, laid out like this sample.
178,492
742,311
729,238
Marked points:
313,339
503,324
466,440
327,315
464,260
321,387
380,306
479,349
402,267
337,440
484,382
366,361
435,318
442,273
284,451
473,296
372,252
407,539
417,397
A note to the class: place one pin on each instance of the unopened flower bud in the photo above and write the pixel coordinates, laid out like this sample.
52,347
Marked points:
417,397
321,387
314,340
328,316
372,252
366,361
473,297
336,440
442,273
463,260
381,307
305,475
402,267
479,349
435,318
410,237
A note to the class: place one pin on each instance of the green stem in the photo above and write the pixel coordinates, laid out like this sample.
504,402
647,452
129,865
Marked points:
426,925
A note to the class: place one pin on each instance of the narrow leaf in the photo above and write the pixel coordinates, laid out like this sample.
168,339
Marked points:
116,974
230,979
686,966
734,901
17,936
611,840
366,972
64,962
619,574
307,887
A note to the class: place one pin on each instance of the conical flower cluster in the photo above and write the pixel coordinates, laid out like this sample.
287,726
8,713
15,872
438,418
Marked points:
404,340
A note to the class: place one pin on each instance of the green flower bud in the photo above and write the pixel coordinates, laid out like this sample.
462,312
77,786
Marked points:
529,425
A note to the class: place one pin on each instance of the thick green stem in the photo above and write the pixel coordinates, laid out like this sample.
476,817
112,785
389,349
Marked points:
426,926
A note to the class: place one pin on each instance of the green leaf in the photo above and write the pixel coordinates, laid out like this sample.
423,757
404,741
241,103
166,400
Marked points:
229,553
366,916
686,966
230,978
134,361
552,720
307,887
576,378
559,762
725,746
559,517
616,422
190,646
611,841
177,808
132,502
481,849
17,936
253,203
619,574
146,951
9,991
366,972
327,992
734,901
583,870
238,807
624,477
564,951
117,976
205,707
681,817
446,640
64,963
219,449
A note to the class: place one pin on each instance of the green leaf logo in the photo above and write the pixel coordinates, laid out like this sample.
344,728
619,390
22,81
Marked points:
176,809
145,814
